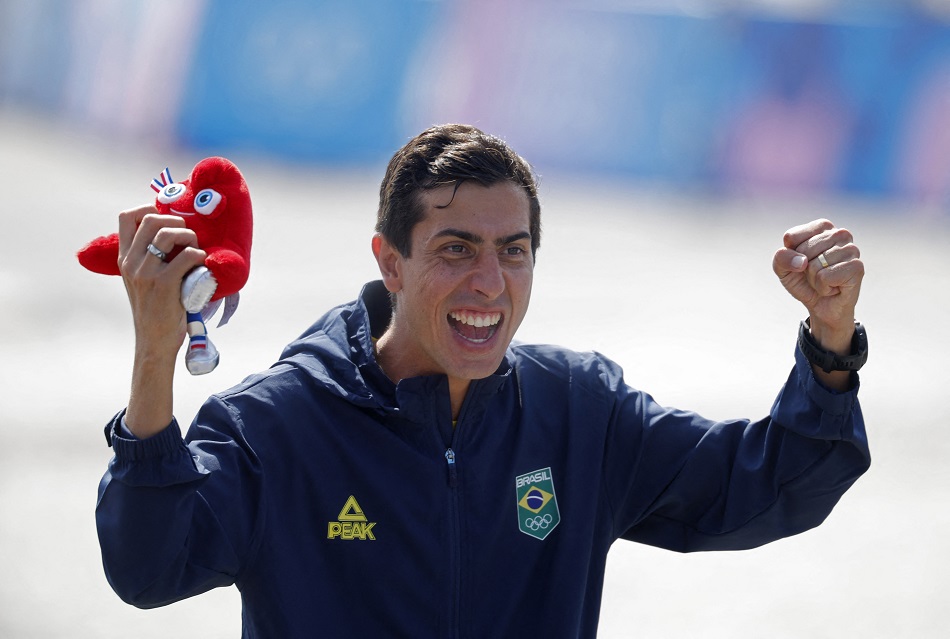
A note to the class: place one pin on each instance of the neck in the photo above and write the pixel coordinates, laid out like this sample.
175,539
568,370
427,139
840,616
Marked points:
457,390
396,369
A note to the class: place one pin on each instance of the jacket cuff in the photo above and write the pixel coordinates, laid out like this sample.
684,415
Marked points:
130,448
837,403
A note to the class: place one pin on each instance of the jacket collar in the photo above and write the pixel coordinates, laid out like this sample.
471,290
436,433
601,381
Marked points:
338,352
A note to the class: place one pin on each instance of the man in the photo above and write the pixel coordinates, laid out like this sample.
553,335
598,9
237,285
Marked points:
404,470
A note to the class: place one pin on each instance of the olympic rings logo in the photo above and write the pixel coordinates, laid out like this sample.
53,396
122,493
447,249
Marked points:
538,523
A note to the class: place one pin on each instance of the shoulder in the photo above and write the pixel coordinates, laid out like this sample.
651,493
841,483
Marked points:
283,403
276,389
588,369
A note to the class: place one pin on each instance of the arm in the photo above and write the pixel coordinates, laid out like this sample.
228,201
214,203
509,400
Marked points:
174,518
101,255
154,290
685,483
229,268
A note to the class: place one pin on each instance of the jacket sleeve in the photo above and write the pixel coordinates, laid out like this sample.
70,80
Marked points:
678,481
179,517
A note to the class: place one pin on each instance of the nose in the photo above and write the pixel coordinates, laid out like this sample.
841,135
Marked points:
487,278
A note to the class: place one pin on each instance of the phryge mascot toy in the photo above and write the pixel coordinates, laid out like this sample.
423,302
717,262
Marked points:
215,204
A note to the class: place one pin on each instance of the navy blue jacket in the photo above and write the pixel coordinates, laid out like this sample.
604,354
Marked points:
342,503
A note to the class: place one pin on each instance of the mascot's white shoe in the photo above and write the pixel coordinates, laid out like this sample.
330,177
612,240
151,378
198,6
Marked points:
202,357
197,289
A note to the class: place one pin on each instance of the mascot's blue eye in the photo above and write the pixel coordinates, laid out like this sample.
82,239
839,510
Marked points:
206,201
171,193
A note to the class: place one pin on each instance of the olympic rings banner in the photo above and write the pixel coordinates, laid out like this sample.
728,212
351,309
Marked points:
853,101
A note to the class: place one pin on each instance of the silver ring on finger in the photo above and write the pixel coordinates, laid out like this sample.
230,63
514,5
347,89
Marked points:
823,260
157,252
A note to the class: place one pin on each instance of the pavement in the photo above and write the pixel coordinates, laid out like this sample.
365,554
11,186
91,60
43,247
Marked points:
677,288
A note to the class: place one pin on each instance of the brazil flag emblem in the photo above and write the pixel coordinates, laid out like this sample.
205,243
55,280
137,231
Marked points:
538,514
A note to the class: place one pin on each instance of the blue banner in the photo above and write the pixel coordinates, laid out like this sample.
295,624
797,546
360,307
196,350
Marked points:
302,79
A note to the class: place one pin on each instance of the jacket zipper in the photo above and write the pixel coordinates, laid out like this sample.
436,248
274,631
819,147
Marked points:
451,459
453,474
455,544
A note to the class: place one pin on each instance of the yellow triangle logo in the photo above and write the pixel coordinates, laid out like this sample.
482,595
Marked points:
351,511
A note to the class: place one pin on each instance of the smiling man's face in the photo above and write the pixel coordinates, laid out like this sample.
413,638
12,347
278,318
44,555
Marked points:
464,291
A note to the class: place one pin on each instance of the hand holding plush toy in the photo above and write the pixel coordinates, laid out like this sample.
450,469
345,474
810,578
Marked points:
215,204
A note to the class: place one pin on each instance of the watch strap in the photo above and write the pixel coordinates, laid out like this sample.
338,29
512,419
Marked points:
830,361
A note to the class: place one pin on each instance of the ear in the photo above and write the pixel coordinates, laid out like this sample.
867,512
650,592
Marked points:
390,263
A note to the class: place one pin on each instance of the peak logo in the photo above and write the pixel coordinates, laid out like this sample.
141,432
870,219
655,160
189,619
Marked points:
351,523
538,513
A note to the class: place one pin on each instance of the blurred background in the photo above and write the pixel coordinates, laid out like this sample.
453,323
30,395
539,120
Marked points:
675,140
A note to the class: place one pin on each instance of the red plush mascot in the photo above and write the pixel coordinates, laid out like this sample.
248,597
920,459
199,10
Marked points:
215,204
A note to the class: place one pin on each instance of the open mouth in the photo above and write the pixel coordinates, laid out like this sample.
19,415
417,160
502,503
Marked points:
180,213
475,327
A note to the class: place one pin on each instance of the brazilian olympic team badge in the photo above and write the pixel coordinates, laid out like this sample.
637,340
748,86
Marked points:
538,514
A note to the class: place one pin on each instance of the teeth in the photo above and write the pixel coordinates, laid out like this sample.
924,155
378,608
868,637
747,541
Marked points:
477,321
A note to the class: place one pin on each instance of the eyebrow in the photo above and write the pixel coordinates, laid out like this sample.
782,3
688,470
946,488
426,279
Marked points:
478,239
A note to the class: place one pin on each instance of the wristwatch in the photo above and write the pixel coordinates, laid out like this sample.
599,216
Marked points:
829,361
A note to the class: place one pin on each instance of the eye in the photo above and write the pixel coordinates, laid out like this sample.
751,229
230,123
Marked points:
171,193
514,252
206,201
455,250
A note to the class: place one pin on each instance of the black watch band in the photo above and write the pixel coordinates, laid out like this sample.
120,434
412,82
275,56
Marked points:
829,361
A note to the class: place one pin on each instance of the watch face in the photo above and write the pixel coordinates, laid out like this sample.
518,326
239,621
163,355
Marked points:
859,347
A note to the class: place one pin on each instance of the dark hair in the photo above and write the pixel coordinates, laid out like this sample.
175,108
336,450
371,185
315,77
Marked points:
444,155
